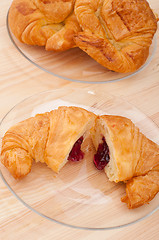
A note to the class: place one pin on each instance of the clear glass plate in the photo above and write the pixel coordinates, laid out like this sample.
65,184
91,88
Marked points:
80,196
74,64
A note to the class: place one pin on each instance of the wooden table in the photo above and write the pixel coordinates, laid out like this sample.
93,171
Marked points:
20,79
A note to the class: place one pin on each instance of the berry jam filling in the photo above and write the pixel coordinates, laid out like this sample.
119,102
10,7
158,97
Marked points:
76,154
101,158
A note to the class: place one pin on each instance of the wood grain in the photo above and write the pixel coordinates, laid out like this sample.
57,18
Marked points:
20,79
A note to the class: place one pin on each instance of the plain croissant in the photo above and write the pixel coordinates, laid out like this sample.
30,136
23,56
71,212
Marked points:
129,156
116,33
44,23
47,138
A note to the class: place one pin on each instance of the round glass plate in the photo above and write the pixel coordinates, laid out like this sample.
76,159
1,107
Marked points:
74,64
79,196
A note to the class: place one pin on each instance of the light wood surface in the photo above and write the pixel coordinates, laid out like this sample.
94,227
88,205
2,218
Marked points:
20,79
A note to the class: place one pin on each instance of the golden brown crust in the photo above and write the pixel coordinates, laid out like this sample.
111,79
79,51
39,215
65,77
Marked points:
67,125
24,142
116,33
47,138
141,190
133,158
134,153
44,23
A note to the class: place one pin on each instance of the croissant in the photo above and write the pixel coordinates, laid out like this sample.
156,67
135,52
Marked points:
56,137
127,155
116,33
46,23
52,138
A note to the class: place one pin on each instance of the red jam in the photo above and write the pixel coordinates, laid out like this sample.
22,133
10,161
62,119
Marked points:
101,158
76,154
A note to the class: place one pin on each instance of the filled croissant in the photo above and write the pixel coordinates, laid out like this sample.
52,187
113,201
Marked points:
127,155
52,138
46,23
56,137
116,33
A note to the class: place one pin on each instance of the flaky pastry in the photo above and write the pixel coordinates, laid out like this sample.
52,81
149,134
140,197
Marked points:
116,33
49,23
57,136
127,155
52,138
